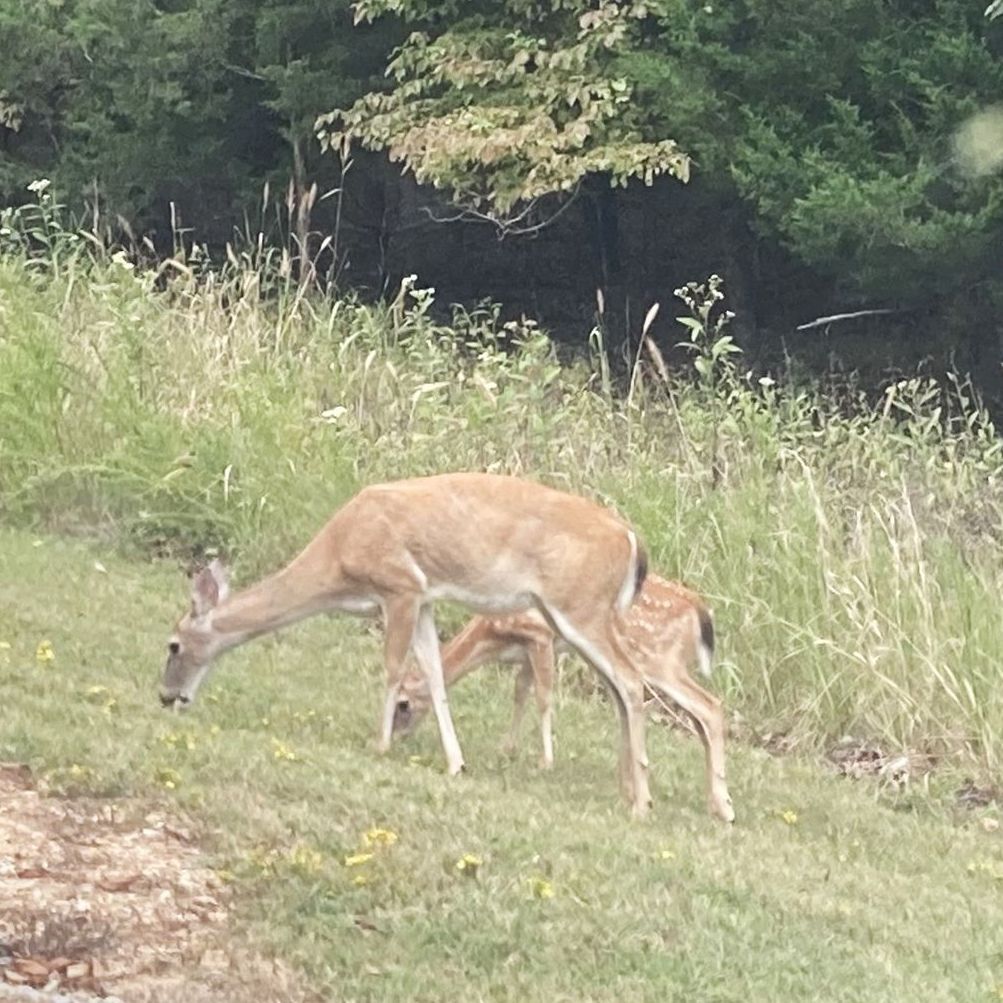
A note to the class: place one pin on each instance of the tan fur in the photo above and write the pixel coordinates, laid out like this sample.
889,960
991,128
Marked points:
496,544
662,633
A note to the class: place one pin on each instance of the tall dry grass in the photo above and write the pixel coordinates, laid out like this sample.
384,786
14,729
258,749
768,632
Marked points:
851,548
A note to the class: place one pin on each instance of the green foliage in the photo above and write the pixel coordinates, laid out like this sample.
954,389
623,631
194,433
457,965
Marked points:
835,123
860,137
503,106
197,101
832,122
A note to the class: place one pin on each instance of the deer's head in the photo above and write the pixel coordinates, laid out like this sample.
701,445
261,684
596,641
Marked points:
413,702
192,644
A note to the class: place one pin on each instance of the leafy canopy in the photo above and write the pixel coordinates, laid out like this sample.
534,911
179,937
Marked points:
504,103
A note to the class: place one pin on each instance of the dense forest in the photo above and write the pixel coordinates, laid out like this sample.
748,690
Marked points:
824,157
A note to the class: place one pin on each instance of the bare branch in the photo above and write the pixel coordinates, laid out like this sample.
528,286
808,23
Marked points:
836,317
509,226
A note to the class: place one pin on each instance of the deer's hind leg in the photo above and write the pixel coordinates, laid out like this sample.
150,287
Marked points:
426,650
596,643
706,710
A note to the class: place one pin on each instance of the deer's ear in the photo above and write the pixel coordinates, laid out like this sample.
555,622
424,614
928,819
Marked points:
221,575
209,586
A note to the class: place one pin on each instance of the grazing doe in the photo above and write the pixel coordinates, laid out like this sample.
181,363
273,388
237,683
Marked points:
667,631
496,544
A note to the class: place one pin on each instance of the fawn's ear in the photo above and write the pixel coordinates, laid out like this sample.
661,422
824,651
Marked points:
209,587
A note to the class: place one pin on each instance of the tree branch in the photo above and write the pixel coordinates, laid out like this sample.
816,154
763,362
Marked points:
509,227
836,317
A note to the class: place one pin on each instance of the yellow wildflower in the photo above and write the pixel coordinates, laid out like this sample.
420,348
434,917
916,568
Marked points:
986,867
355,859
468,864
790,817
666,855
44,652
179,740
360,879
306,859
379,837
282,751
262,860
168,778
541,888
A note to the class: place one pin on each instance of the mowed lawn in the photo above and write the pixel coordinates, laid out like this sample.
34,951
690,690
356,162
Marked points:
348,865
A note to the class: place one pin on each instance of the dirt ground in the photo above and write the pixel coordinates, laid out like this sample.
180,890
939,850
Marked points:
103,898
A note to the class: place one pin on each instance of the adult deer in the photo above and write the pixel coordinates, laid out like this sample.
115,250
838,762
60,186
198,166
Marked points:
667,631
496,544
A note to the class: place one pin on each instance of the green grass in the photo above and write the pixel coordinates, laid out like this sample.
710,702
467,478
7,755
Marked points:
851,550
868,895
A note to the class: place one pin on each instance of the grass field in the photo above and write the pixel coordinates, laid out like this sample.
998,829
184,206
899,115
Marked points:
850,546
825,889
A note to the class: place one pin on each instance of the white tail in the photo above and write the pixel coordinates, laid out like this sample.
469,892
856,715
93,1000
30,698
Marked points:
496,544
666,632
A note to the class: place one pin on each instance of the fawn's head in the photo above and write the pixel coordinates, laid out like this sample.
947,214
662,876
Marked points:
191,646
413,702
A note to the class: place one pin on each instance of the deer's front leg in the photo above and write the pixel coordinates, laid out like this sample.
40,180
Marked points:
426,650
400,621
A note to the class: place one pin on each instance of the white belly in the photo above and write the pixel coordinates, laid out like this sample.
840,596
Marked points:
492,603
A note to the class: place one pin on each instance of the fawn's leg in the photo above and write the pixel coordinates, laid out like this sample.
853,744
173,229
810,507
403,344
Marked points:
523,681
541,660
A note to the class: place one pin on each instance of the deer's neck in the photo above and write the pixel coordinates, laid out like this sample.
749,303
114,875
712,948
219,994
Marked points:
275,602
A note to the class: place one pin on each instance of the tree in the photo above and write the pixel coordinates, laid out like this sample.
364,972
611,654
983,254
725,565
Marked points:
505,104
833,120
196,102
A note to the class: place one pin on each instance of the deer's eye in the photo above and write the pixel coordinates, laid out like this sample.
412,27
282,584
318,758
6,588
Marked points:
174,647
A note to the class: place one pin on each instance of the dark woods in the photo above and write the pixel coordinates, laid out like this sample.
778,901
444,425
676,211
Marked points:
843,157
